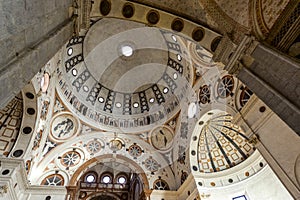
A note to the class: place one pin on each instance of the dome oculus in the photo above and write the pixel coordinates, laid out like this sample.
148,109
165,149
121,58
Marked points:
127,50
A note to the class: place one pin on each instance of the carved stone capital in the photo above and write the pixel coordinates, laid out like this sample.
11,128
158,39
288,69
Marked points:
241,55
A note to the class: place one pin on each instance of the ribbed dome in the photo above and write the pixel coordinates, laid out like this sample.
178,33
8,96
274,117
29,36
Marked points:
221,144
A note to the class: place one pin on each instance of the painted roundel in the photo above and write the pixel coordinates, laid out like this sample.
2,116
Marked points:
162,137
151,164
63,126
135,150
70,158
115,145
93,146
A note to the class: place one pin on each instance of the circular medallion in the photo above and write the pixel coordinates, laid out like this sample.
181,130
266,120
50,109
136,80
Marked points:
70,158
135,150
64,126
115,144
151,164
93,146
161,138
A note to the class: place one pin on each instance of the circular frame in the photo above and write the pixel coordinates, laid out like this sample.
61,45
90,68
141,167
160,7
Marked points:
61,131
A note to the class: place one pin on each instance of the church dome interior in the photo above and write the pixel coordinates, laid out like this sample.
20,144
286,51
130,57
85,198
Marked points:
149,100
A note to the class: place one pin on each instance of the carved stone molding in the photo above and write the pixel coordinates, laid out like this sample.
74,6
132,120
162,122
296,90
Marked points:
226,23
287,27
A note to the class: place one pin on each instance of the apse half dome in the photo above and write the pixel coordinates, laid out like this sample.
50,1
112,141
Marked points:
220,143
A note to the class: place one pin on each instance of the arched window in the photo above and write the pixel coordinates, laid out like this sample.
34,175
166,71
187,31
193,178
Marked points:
160,184
106,178
90,177
121,178
70,158
225,86
53,180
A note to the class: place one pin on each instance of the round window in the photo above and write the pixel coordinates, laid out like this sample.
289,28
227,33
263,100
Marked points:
106,179
121,180
90,178
127,50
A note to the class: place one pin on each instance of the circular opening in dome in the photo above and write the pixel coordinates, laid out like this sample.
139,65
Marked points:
90,178
174,38
118,105
30,111
106,179
136,104
175,75
42,81
122,180
74,72
128,10
5,172
29,95
85,88
18,153
166,90
127,50
179,57
70,51
48,198
192,110
261,164
153,17
101,99
105,7
45,82
27,130
193,152
151,100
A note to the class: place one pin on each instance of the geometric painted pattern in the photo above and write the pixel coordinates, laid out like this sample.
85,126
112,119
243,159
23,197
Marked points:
10,122
221,144
151,164
171,83
174,46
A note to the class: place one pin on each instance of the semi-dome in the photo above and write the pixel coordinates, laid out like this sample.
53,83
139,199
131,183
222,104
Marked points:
221,143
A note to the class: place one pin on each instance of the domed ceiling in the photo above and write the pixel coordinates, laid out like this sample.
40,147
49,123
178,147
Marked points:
129,76
221,144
